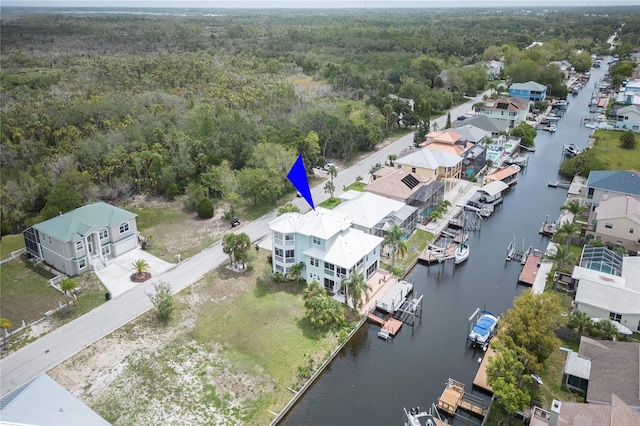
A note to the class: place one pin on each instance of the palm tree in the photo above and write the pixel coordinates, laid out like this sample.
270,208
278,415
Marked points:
330,188
333,172
229,246
568,230
5,324
574,207
295,272
394,239
140,266
355,285
67,286
562,257
606,330
580,322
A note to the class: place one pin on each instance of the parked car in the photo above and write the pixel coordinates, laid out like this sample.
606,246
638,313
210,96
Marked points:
235,222
462,117
328,166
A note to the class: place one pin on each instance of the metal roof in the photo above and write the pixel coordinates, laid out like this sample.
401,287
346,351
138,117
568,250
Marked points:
76,223
44,402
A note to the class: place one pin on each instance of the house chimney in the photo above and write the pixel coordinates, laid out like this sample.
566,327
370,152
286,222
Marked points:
555,412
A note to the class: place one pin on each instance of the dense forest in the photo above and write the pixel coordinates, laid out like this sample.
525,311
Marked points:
218,104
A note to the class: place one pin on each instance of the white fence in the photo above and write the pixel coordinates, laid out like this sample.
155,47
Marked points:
14,254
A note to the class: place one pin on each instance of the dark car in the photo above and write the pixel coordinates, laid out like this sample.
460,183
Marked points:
462,117
235,222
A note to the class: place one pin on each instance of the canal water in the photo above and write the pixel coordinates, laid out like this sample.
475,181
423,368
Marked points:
371,380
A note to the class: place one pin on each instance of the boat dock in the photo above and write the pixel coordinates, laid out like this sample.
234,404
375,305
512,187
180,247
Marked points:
480,381
454,397
518,255
433,253
530,268
548,228
559,184
388,326
395,297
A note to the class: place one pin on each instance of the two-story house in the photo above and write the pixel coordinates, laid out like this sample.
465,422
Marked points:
617,222
612,183
530,91
512,110
628,118
325,244
83,239
431,163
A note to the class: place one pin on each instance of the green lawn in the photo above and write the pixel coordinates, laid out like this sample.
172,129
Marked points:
608,149
330,203
356,186
10,243
418,241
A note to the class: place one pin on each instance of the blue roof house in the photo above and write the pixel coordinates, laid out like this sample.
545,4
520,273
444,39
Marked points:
83,239
530,90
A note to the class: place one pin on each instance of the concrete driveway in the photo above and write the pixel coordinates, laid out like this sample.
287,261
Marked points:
117,276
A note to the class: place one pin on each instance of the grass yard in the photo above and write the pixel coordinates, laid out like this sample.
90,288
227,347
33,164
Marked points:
226,357
415,245
608,148
356,186
10,243
330,203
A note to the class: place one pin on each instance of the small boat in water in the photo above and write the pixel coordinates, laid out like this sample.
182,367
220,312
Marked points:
461,253
418,417
483,328
571,150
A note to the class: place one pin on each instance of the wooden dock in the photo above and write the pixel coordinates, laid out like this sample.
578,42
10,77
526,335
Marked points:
433,253
558,184
548,229
480,381
389,326
454,397
530,268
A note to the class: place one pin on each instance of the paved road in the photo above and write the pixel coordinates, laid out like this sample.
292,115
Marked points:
55,347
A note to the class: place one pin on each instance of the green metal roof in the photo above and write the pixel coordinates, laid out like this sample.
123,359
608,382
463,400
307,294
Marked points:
74,224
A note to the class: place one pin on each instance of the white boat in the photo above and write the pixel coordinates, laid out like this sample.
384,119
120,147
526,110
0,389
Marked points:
418,417
483,328
572,149
461,253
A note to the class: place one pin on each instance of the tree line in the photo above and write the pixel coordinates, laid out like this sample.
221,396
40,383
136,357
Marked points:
104,106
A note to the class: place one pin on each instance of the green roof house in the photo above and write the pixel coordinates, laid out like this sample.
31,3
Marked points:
83,239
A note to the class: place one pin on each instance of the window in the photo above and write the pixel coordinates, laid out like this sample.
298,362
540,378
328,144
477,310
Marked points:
106,250
615,317
608,225
314,262
124,227
341,272
79,246
104,234
413,170
288,237
638,326
631,230
82,263
329,285
316,241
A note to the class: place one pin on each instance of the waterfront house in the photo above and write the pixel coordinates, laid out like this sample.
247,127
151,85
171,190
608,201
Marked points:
431,163
608,286
375,214
630,93
611,182
616,220
530,91
326,246
508,175
580,414
488,124
415,190
447,141
83,239
512,110
602,368
628,118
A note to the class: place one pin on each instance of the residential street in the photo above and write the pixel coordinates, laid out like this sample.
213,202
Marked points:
58,345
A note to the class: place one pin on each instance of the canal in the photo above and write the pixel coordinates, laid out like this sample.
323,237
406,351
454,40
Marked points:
371,380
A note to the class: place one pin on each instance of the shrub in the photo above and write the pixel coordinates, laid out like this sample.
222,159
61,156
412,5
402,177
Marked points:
205,208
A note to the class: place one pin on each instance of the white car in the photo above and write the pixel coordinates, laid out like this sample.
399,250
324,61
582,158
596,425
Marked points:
328,166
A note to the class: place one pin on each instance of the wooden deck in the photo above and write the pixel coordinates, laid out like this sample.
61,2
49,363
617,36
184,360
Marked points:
480,381
548,229
433,254
454,397
530,269
389,325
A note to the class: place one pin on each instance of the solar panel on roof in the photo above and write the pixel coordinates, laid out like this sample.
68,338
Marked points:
410,181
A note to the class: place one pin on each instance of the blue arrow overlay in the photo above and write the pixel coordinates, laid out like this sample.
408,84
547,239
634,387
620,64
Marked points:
298,177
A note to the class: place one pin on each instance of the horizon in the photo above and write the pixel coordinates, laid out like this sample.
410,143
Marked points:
313,4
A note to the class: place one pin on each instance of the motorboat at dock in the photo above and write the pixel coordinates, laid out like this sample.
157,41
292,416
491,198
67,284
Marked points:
418,417
571,149
483,327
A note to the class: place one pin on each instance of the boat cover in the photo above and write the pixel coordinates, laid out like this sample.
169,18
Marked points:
494,188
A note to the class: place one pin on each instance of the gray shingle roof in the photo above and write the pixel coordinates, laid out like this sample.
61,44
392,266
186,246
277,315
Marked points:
70,226
626,182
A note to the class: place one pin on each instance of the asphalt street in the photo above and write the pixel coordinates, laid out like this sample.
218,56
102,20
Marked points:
55,347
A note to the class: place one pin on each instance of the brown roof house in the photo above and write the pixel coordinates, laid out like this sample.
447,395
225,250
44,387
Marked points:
410,188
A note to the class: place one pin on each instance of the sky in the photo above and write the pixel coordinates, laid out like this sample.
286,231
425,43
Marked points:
308,4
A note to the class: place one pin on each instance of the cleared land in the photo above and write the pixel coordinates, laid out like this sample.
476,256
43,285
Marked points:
608,148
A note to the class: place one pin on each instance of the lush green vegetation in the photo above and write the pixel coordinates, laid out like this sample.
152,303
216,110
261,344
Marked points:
103,106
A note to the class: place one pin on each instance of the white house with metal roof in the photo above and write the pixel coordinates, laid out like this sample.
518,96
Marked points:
608,286
83,239
374,214
325,244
